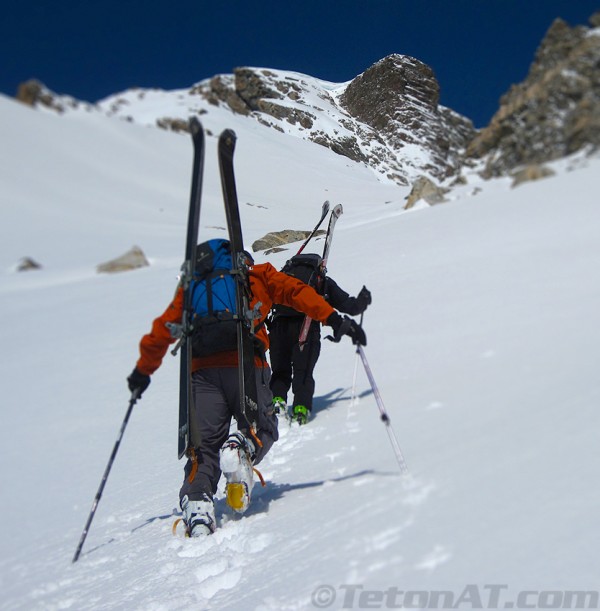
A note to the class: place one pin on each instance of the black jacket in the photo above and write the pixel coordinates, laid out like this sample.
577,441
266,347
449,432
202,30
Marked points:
341,300
334,295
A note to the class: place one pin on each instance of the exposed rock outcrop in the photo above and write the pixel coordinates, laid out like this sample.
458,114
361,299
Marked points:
33,93
132,259
36,94
277,239
555,111
427,190
174,125
27,264
531,172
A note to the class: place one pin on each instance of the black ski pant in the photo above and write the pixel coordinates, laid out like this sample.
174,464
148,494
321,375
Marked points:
291,366
216,396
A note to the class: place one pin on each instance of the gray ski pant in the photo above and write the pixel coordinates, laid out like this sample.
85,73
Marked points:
215,401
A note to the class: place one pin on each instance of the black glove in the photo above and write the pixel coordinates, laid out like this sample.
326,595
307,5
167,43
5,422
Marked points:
363,299
345,326
138,381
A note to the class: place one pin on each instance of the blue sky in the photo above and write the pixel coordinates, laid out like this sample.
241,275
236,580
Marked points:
90,50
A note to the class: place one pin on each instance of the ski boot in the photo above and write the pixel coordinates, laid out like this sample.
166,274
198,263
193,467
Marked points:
236,457
300,414
198,516
279,406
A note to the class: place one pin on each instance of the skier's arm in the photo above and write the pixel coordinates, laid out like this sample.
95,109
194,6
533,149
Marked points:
277,287
285,290
342,301
155,344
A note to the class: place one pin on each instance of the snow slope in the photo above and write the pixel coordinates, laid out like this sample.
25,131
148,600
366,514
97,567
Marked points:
483,337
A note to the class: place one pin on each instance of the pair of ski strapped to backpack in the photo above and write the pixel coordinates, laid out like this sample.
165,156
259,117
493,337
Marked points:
216,295
310,268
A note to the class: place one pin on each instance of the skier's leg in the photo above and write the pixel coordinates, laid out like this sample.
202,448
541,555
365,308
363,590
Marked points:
244,448
281,338
210,418
303,384
267,420
267,431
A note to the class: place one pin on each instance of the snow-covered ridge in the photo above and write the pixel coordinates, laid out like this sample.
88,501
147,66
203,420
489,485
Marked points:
397,143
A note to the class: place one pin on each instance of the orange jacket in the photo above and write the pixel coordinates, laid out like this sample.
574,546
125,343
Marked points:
268,286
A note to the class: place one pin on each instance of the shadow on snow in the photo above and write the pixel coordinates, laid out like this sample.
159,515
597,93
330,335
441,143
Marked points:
263,497
324,402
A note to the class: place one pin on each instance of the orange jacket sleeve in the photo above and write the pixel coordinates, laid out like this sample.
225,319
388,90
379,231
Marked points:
270,287
155,344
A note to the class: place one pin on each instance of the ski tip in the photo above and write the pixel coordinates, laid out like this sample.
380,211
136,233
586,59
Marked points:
195,126
227,138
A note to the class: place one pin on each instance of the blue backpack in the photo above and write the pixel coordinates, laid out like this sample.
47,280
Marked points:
213,298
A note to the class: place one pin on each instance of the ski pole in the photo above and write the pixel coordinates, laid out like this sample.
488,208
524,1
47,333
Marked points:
134,397
384,415
353,397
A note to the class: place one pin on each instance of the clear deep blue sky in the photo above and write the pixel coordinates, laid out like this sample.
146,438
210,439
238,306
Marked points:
90,50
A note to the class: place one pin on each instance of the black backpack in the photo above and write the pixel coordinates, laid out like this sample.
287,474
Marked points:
308,268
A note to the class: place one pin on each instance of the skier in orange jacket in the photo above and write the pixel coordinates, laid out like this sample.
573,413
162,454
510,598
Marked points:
215,392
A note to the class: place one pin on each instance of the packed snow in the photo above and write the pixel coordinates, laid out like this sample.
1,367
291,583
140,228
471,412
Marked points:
483,337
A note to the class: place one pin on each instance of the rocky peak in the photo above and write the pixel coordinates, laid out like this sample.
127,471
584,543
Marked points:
390,87
399,98
555,111
555,48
